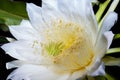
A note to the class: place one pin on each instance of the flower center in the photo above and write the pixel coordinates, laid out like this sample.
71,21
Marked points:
68,46
54,48
60,37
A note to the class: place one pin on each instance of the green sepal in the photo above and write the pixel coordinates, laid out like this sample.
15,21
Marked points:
117,36
101,10
111,61
113,50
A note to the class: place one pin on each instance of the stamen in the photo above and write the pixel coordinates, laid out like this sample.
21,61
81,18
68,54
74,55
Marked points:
54,48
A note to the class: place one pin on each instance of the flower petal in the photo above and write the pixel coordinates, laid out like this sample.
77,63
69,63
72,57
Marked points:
33,72
101,47
34,13
103,42
109,22
23,50
109,36
107,39
42,17
38,17
23,31
99,71
52,3
14,64
10,39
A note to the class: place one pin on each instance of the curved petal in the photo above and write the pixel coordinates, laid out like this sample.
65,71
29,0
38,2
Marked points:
109,22
23,50
103,42
100,71
101,46
14,64
24,31
35,16
42,18
96,68
109,36
33,72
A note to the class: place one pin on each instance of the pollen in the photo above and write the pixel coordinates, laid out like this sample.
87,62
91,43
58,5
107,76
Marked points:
61,36
68,46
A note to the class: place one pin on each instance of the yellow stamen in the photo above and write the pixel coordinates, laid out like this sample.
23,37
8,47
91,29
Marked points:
54,48
68,46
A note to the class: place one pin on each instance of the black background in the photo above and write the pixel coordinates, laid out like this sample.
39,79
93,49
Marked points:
6,58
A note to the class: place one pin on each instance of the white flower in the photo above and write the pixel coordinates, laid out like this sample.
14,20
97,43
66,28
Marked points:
60,42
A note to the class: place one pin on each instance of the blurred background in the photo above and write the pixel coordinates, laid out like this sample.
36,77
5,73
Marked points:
4,4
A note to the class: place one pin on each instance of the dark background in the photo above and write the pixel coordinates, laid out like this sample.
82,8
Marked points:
115,71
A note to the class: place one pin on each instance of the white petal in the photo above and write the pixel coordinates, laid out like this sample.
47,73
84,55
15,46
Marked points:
32,72
99,71
14,64
35,16
23,31
51,16
23,50
102,43
109,21
107,24
97,68
42,18
109,36
101,46
52,3
10,39
94,66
